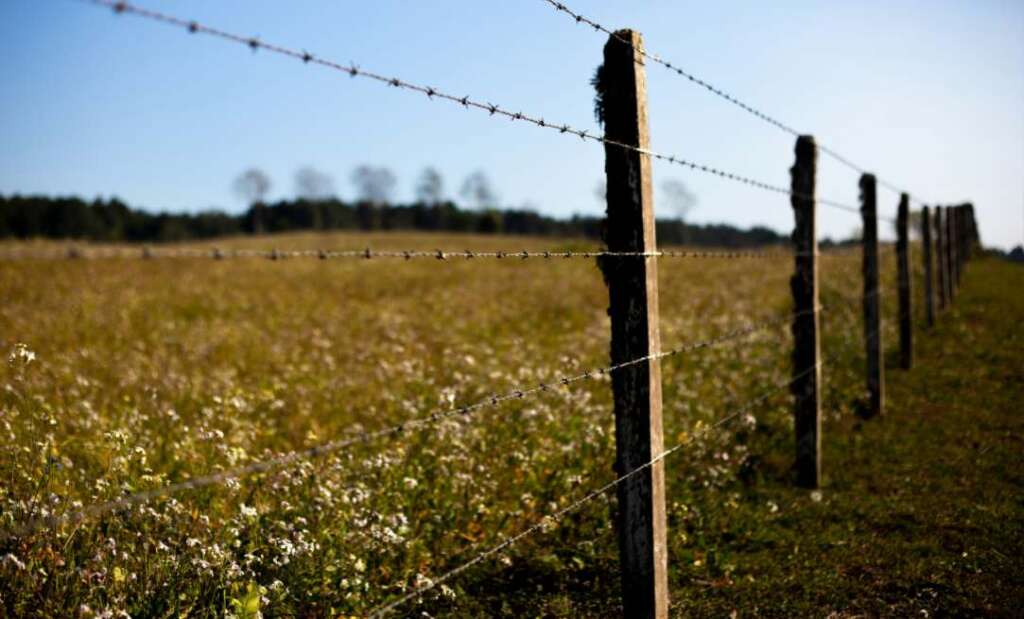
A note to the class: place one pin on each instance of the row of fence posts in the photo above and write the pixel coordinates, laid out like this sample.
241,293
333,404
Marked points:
633,309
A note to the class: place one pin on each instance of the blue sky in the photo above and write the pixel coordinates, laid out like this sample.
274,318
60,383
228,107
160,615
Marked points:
927,94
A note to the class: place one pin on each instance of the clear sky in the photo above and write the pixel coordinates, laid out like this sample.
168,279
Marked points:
929,94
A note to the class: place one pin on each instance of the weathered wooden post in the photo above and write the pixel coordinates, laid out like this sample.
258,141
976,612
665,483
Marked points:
929,280
903,282
872,294
633,308
940,256
955,237
964,235
966,230
961,250
806,344
973,240
951,252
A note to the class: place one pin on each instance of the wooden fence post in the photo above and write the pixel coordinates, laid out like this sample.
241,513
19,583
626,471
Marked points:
965,246
951,252
961,252
973,240
633,308
903,282
956,236
806,345
940,256
929,279
872,294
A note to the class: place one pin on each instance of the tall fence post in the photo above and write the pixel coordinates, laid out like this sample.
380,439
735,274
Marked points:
961,230
872,294
633,308
940,256
806,344
957,238
951,252
929,279
903,282
965,235
973,239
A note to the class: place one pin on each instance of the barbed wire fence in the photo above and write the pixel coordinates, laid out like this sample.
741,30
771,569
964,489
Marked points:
718,92
629,265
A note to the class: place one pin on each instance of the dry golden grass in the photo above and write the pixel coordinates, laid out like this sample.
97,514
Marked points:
147,372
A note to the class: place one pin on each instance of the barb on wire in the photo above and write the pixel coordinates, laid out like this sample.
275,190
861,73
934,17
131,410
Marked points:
552,518
655,58
367,254
366,437
433,93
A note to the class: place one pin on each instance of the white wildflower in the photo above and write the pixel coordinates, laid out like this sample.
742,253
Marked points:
21,353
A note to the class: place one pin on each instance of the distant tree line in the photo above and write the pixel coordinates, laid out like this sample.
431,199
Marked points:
26,217
317,207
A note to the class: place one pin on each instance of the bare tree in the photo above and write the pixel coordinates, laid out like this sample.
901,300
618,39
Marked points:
678,197
374,185
430,189
477,190
313,185
253,185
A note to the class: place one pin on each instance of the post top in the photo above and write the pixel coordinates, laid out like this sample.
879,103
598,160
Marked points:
805,147
626,36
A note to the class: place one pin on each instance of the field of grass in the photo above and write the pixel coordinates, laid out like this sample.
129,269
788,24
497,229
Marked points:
125,374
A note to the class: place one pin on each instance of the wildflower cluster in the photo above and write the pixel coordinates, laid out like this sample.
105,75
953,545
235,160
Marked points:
160,371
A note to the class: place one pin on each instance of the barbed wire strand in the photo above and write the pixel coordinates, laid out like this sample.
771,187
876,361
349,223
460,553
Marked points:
655,58
554,517
368,254
150,252
366,437
492,109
